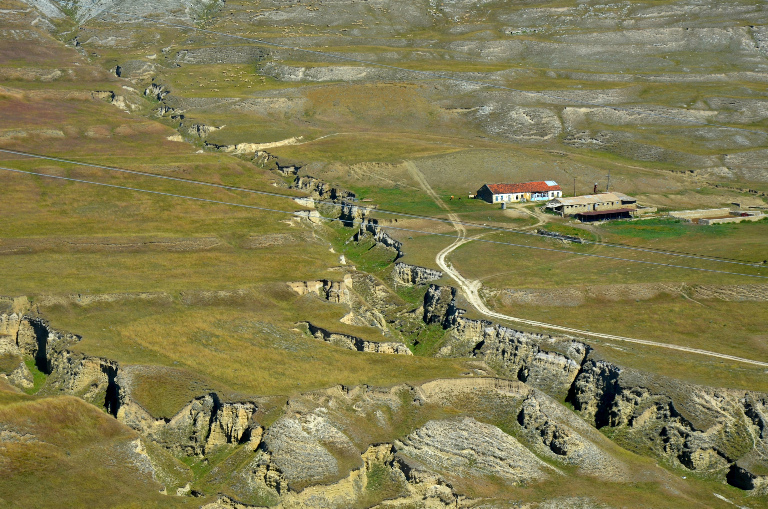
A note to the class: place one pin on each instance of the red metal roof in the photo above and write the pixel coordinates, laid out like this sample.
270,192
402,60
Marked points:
601,212
525,187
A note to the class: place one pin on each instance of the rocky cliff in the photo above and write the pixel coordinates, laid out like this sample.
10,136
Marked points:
716,432
373,228
321,190
367,299
706,430
546,362
333,291
355,343
410,275
204,423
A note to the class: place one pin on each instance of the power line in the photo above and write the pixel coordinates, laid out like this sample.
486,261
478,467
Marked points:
299,214
434,74
147,191
373,209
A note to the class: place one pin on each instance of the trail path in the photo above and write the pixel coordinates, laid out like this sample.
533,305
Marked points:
471,289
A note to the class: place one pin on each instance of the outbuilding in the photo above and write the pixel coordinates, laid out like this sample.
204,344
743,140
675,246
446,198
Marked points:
526,191
594,206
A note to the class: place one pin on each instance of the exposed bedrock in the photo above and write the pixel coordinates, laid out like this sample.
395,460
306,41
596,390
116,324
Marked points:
546,362
374,228
91,378
333,291
468,447
557,433
719,433
321,190
351,214
299,448
418,487
315,443
707,430
410,275
203,130
355,343
204,423
365,309
9,324
700,428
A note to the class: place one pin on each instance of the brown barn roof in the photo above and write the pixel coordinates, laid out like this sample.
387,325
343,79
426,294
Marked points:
601,212
589,199
525,187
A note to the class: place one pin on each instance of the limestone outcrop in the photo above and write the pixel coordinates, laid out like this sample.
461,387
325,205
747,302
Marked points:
546,362
363,294
156,91
91,378
9,324
20,376
253,148
418,487
355,343
699,428
411,275
350,214
713,431
466,447
556,433
373,228
300,446
202,130
334,291
203,424
321,190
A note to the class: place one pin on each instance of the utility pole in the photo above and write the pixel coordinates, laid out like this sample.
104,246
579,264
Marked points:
608,185
574,186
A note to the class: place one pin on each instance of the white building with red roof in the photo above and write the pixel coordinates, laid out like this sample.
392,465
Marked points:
527,191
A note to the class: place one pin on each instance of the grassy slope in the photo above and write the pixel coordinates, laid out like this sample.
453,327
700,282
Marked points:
68,238
246,346
68,453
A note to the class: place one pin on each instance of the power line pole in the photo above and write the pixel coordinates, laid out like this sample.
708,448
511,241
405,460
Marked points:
574,186
608,185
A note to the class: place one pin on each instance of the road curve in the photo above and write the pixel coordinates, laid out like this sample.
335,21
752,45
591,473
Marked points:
470,289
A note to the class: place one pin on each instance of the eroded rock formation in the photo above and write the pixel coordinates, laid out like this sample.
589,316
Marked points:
410,275
333,291
203,424
321,190
699,428
355,343
714,432
373,227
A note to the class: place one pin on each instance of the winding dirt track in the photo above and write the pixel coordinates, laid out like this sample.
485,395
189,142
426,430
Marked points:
470,289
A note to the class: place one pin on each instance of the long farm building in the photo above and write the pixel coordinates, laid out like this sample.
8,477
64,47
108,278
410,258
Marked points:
526,191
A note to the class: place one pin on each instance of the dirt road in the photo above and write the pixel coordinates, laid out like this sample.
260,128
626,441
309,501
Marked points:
470,289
